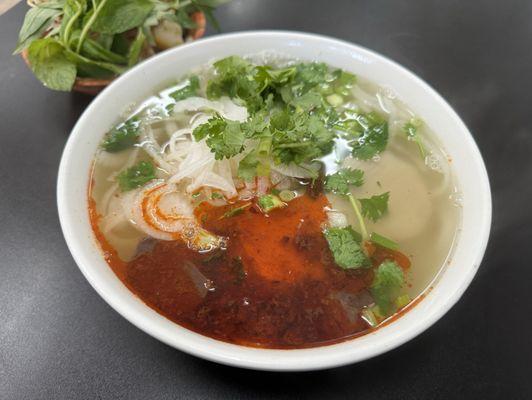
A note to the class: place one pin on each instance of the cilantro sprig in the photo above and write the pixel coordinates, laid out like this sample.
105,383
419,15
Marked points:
136,176
344,244
224,137
293,107
122,136
387,283
411,130
375,207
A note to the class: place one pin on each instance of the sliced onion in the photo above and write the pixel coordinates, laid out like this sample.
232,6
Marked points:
164,212
337,219
225,107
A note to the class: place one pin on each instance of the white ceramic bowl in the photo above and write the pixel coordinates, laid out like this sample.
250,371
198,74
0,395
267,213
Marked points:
140,82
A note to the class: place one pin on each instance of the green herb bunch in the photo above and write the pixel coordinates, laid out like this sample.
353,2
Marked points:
66,39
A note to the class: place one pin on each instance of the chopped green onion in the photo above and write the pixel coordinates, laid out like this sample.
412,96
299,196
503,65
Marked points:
235,211
269,202
383,241
287,195
402,301
335,100
369,315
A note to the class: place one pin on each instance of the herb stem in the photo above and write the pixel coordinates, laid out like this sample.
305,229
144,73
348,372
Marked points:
294,145
421,147
180,4
89,23
354,204
68,27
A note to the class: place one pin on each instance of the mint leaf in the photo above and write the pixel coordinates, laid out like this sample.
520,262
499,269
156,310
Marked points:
387,283
50,65
117,16
136,176
345,247
375,207
340,181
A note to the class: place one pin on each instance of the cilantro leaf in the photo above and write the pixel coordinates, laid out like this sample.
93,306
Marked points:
224,137
299,137
345,247
267,76
235,78
368,134
375,207
123,136
188,90
387,283
411,131
340,181
136,176
343,82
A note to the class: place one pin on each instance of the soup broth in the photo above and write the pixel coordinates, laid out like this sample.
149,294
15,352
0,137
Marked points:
274,203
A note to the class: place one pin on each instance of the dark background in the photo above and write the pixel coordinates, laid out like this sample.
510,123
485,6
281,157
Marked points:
59,339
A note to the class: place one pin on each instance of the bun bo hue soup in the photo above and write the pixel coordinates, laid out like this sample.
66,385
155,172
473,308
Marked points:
277,204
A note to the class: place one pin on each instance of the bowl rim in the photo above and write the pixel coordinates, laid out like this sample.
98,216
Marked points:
271,359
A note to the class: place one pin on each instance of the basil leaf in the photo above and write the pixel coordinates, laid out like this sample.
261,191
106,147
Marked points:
50,65
118,16
136,48
95,51
92,67
36,22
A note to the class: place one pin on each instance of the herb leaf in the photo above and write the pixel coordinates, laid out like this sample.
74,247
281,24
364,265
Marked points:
340,181
37,20
345,247
123,136
387,283
235,78
411,131
375,207
247,168
224,137
118,16
368,134
383,241
136,48
235,211
136,176
188,90
270,202
50,65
